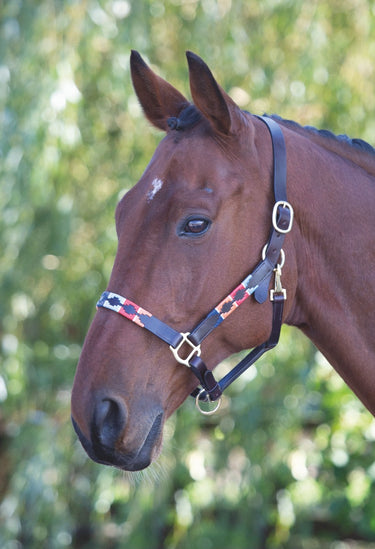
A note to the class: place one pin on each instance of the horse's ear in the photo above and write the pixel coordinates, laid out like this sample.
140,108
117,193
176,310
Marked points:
159,100
210,98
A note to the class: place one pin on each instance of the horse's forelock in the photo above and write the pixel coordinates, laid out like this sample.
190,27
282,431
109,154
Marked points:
187,118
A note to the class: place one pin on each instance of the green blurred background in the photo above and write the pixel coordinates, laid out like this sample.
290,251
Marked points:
290,459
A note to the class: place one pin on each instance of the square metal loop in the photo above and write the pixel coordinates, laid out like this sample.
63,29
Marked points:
195,350
282,292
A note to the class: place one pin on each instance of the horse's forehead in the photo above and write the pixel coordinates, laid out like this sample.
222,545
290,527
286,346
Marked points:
186,160
182,168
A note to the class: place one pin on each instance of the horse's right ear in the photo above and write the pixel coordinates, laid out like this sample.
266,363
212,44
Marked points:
159,100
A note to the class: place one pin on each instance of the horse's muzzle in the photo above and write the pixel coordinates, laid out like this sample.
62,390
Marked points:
106,445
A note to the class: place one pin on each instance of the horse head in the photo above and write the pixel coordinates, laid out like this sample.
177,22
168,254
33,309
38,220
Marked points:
190,230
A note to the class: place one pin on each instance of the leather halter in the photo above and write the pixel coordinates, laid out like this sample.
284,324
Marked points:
257,283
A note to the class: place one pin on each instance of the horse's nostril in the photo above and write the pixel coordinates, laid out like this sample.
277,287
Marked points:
109,421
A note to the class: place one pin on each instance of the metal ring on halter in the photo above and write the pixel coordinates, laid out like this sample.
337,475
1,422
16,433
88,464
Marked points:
282,256
206,412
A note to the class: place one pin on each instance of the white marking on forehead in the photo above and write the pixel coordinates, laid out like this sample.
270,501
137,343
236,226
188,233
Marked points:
156,185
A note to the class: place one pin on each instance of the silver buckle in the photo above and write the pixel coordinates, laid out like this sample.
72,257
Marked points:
283,204
195,349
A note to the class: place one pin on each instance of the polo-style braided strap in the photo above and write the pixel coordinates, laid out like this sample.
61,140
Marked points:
139,316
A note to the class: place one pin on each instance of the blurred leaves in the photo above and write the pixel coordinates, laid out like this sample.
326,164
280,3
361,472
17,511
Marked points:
289,460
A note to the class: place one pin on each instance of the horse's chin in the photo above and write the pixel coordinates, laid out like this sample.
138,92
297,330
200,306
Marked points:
135,460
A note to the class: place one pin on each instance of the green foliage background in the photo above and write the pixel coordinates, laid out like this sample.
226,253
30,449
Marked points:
290,461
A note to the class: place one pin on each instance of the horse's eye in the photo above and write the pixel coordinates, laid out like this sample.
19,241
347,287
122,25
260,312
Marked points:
195,226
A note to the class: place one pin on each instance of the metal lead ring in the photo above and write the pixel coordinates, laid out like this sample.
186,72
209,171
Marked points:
282,256
207,412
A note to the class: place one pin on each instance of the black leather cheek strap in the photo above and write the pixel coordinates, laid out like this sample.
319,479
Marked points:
279,158
276,238
281,224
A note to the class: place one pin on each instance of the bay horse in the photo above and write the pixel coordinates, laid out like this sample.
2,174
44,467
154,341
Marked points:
227,197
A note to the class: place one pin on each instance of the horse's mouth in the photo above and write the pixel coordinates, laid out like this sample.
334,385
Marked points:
127,461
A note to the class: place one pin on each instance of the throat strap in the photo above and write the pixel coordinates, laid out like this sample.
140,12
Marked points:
213,390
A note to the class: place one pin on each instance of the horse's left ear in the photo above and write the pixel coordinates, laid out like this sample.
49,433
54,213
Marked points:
159,99
213,102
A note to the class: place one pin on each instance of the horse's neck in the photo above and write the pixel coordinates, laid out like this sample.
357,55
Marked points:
335,301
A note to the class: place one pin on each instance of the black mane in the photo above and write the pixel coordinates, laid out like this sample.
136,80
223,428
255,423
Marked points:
190,116
356,143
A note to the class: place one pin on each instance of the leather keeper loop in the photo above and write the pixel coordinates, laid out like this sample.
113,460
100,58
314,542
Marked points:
205,377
